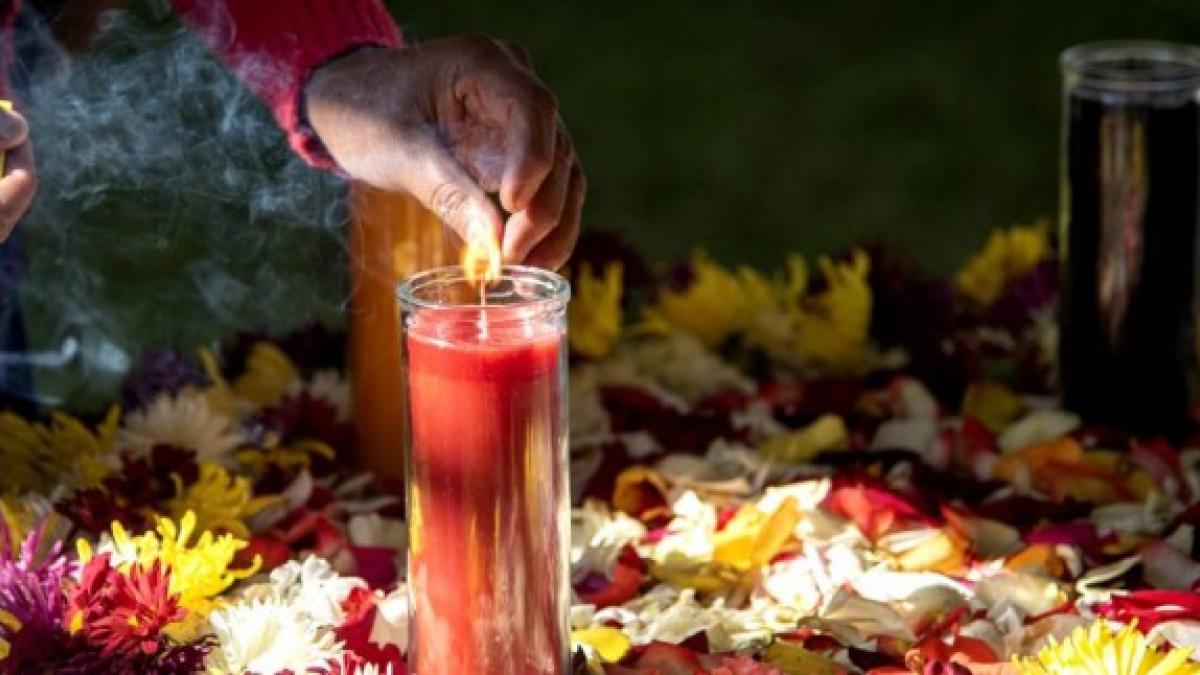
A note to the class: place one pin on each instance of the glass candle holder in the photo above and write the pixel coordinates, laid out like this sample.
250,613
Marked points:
486,472
1129,215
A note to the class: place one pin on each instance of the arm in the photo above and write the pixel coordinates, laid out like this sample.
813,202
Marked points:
449,121
273,46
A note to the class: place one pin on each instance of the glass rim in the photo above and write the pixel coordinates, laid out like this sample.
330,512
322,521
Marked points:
1164,66
553,291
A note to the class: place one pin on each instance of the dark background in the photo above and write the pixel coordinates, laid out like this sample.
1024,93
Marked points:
171,213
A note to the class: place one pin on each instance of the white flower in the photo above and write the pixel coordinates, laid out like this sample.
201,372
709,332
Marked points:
313,590
664,614
677,363
391,620
185,420
266,636
374,530
597,537
330,386
690,541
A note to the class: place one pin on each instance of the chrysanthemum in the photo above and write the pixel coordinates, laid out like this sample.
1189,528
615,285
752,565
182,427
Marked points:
41,457
268,635
200,570
713,304
1100,651
32,597
269,375
314,589
185,420
118,611
595,311
218,500
832,324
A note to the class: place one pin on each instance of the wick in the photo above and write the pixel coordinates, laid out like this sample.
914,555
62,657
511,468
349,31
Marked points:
483,323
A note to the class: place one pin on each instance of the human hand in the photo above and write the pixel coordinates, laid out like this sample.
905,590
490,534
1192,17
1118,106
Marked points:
18,184
451,121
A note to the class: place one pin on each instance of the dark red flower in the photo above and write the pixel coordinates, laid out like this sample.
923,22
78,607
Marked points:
128,495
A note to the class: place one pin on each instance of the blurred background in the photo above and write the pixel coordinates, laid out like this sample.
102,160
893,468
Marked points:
172,214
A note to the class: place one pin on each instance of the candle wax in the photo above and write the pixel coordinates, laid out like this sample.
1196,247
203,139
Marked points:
488,497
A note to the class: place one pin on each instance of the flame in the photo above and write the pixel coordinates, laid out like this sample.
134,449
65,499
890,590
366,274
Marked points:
482,260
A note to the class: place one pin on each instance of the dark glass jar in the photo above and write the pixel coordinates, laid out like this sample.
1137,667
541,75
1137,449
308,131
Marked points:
1131,158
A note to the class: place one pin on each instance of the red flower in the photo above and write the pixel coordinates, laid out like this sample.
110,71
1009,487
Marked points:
123,612
875,510
627,577
1152,607
355,632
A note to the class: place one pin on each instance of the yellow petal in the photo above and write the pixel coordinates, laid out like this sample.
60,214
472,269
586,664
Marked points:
794,659
610,643
828,432
993,404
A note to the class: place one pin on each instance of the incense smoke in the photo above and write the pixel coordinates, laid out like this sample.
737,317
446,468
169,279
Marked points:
171,211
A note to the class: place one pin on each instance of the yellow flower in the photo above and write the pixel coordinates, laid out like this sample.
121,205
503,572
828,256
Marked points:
217,501
1098,651
717,304
41,457
594,315
268,377
832,325
200,569
1009,254
295,455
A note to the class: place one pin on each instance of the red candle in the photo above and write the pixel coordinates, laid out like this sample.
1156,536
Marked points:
487,475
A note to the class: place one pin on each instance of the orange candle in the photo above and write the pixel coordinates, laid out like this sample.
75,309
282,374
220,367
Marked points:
391,237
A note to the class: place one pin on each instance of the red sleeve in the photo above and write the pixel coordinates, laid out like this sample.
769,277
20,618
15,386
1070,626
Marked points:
272,45
8,16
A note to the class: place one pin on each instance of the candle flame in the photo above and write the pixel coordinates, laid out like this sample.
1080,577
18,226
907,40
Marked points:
482,260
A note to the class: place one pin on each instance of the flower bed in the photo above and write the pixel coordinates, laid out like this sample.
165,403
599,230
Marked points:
827,471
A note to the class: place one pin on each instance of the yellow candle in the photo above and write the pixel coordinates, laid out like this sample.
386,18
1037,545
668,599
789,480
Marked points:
391,237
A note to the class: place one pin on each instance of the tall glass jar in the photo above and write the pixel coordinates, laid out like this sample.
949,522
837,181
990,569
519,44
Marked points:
486,474
1129,214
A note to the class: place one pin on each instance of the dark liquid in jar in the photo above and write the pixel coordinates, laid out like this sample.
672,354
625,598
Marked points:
1126,345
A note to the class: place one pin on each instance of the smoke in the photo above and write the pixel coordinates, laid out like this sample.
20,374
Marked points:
171,212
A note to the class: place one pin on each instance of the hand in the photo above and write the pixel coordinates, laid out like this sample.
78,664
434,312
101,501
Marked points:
450,121
19,182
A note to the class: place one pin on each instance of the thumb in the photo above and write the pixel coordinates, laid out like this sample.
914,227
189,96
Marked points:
437,179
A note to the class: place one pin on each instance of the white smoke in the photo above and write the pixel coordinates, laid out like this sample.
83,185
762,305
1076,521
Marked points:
171,212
